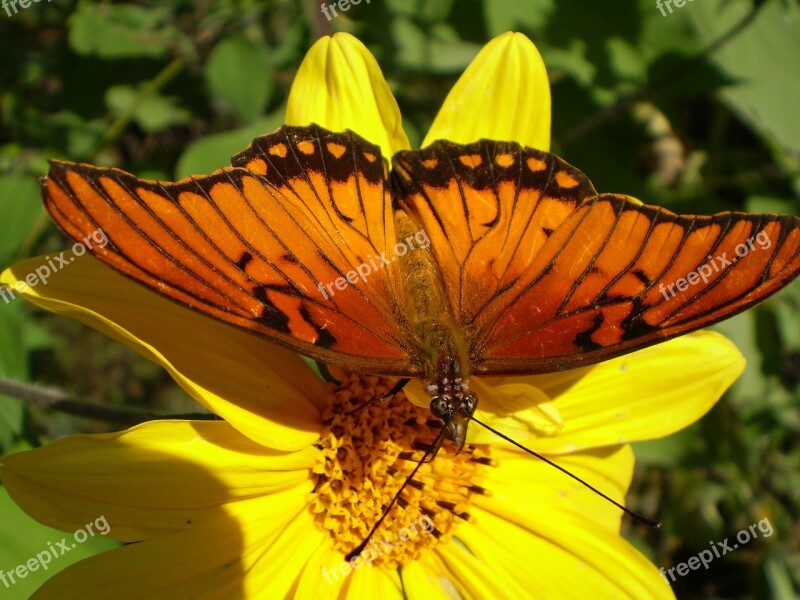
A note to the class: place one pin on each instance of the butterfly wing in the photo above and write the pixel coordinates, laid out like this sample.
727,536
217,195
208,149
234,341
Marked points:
278,259
544,275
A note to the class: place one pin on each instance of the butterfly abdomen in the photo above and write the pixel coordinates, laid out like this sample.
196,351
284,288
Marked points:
440,346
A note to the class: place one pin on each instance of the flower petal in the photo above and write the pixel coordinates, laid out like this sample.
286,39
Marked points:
521,479
519,410
425,579
503,95
322,576
257,553
375,583
339,86
263,390
578,558
152,479
647,394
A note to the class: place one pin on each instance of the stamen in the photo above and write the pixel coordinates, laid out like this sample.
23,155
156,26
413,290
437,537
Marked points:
365,457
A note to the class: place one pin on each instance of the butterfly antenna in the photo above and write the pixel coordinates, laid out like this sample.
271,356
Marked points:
430,452
642,519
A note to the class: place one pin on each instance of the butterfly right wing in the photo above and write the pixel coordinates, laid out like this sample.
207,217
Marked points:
279,261
543,274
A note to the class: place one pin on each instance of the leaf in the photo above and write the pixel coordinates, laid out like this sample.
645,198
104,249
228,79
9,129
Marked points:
22,540
762,61
122,31
13,365
214,151
20,207
521,15
238,76
154,113
419,51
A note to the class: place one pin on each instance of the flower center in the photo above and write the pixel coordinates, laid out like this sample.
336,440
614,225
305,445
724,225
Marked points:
366,456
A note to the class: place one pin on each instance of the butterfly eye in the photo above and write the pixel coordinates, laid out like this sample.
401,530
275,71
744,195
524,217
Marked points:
470,402
439,406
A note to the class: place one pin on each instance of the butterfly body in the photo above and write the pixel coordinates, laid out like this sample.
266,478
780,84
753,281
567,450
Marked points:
442,350
525,267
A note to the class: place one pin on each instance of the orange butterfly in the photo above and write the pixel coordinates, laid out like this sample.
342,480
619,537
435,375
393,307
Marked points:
486,258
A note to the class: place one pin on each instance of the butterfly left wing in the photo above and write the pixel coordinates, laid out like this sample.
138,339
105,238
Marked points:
573,278
237,248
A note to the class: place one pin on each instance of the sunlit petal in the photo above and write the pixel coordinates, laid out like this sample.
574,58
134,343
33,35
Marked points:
503,95
340,86
261,389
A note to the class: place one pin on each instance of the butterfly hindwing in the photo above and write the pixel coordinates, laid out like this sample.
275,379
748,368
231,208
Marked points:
618,276
235,247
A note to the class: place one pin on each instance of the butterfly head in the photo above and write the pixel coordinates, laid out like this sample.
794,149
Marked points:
455,408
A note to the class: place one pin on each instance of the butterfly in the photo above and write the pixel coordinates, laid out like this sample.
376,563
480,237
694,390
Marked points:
487,258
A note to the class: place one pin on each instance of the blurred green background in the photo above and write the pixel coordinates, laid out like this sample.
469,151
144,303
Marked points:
696,110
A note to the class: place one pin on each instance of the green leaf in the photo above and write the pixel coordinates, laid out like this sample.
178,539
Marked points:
238,76
13,365
762,61
20,207
667,452
215,151
22,540
419,51
426,11
152,114
520,15
122,31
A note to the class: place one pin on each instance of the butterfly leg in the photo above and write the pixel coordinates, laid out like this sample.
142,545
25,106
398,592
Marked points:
397,387
434,448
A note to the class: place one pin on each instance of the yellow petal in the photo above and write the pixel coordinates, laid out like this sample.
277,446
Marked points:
425,579
574,557
503,95
471,575
231,556
323,576
648,394
375,583
521,478
339,86
263,390
520,411
152,479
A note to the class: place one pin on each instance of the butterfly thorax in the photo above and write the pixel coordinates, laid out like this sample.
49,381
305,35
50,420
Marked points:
442,351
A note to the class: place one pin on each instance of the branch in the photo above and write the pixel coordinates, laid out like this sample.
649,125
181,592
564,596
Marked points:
51,399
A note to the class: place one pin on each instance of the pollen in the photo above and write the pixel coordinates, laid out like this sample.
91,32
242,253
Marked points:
368,449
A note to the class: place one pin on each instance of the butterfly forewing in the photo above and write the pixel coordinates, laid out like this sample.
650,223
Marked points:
488,208
239,249
546,275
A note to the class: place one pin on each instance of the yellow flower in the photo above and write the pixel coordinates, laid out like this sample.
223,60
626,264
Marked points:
266,503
